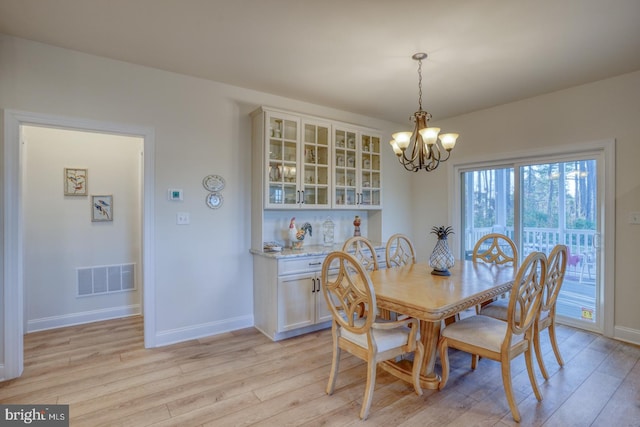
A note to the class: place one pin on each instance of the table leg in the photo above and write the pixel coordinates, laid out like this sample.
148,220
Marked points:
429,334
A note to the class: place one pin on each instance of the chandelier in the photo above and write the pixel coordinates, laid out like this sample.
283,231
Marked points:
420,149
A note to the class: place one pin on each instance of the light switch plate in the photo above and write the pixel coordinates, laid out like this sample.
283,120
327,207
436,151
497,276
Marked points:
182,218
634,217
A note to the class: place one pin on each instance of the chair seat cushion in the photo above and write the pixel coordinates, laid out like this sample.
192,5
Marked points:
480,331
498,310
385,338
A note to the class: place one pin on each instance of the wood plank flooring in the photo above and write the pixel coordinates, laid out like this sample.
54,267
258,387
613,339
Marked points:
242,378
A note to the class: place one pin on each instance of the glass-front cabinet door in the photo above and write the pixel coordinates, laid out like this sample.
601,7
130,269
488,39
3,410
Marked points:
315,163
283,146
345,162
370,178
298,169
357,166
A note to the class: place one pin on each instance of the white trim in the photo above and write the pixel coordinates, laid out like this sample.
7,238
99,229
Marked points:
81,318
604,148
177,335
627,334
12,210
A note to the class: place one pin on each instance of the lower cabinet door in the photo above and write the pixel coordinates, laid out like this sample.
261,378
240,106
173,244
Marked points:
322,310
296,301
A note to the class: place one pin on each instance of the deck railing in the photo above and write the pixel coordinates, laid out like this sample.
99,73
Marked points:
580,242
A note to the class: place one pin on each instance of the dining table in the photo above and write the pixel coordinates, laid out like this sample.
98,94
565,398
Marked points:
412,290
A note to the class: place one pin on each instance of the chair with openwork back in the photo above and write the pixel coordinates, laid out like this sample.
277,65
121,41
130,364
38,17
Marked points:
502,341
346,286
556,267
495,248
399,251
365,253
363,250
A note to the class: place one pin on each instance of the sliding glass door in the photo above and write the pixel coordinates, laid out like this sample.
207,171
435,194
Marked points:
538,205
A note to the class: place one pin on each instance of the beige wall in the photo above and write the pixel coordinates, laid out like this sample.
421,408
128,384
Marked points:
607,109
203,271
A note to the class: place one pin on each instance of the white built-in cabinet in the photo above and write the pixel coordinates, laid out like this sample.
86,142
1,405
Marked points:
313,163
301,302
287,294
357,169
310,163
296,162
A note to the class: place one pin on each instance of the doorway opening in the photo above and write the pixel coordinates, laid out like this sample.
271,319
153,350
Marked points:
14,217
81,233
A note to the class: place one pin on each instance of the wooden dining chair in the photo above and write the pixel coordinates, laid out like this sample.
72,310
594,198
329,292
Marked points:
363,250
399,251
502,341
556,267
346,285
495,248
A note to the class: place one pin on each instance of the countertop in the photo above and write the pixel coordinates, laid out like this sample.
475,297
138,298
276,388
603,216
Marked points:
310,250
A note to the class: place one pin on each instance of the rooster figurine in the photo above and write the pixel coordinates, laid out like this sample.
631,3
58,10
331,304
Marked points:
300,235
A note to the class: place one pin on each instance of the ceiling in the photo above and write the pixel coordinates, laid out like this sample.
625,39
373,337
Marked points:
354,55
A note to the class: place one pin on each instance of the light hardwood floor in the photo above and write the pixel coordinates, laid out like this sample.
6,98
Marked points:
242,378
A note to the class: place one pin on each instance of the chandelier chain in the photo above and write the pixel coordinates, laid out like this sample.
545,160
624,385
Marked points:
420,84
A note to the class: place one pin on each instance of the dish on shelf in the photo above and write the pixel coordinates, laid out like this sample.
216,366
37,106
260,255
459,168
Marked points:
214,200
213,183
272,247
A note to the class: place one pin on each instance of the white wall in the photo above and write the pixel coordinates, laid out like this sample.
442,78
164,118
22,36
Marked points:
60,237
604,110
203,270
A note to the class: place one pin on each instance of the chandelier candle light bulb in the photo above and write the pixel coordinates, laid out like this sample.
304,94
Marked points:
420,149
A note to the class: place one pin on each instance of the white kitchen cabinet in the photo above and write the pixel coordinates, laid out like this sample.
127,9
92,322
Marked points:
305,162
296,160
301,302
357,169
287,294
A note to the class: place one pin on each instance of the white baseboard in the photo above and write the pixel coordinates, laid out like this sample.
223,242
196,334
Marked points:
81,318
204,330
627,334
2,375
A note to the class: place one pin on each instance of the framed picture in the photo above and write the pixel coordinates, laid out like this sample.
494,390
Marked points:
101,208
75,182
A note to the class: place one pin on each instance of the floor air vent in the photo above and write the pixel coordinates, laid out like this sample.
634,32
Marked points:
105,279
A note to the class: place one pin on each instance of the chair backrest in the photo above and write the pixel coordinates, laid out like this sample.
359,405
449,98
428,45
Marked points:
363,251
399,251
526,294
348,291
556,267
495,248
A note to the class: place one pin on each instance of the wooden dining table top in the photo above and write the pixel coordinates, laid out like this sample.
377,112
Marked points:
413,290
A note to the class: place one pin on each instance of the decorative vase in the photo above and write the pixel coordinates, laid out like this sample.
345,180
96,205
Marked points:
356,226
441,259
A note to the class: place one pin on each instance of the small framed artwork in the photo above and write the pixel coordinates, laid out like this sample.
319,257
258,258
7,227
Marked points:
75,182
101,208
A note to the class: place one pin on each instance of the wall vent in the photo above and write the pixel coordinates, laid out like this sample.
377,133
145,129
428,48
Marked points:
105,279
